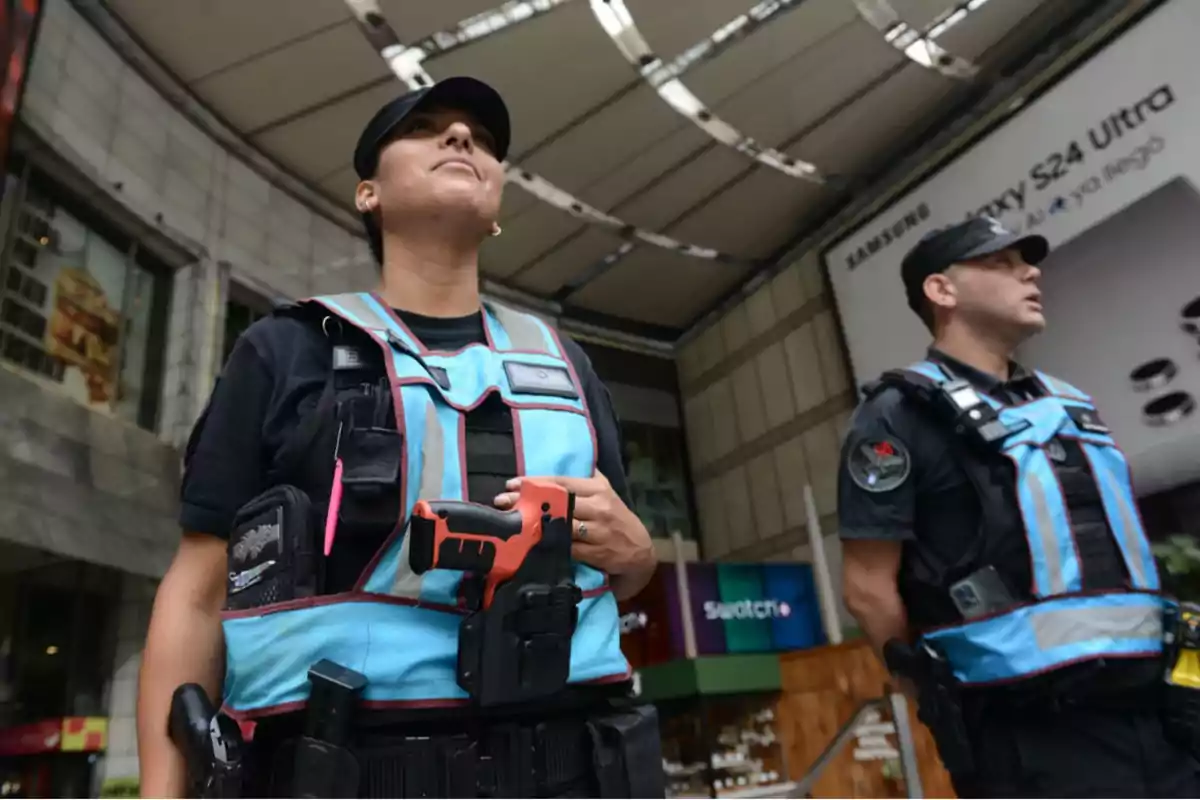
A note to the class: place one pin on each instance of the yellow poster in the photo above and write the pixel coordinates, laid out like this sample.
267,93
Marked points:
84,734
84,331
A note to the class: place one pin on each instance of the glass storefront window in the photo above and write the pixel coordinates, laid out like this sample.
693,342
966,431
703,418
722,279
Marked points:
57,636
79,307
657,478
239,315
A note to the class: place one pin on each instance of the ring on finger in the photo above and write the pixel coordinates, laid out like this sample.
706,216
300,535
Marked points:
583,530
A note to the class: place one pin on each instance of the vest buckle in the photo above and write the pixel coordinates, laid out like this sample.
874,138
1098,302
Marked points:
973,416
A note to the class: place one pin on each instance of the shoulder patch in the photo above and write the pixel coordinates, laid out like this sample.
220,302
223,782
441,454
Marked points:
879,465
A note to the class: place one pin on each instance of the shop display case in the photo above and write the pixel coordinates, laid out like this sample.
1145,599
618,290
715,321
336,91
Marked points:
723,746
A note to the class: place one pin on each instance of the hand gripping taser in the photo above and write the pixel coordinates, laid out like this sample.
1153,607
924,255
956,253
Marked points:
515,643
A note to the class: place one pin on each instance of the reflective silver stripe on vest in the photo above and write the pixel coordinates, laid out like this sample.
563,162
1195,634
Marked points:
1044,521
1129,528
1072,626
523,331
433,456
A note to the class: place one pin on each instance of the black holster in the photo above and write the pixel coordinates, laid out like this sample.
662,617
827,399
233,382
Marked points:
627,753
518,649
939,704
211,744
324,765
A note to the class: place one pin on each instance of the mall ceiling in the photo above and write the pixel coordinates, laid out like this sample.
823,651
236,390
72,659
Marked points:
743,127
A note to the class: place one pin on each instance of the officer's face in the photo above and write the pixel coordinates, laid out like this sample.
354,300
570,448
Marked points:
440,161
998,292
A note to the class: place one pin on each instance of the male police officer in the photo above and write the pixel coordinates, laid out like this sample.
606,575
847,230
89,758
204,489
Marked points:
366,672
993,550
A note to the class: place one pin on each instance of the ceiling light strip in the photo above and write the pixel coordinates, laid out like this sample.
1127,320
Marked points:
707,48
919,47
616,20
405,63
724,37
483,25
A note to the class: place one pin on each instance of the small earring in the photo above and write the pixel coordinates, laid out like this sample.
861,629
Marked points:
496,229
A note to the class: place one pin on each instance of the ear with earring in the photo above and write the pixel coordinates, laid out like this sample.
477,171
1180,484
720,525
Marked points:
496,229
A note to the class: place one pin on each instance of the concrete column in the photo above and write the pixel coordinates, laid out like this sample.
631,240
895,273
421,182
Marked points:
194,333
120,760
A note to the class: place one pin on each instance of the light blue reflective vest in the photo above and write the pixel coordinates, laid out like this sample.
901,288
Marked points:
1063,624
397,628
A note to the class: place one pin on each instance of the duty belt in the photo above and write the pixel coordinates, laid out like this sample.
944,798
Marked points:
501,760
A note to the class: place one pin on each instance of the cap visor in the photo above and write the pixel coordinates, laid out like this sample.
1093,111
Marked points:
1033,249
477,98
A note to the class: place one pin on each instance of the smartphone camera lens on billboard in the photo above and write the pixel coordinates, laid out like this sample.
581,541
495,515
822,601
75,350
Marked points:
1168,409
1153,375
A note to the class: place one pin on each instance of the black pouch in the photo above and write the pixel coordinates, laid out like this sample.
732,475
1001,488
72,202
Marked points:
370,477
627,753
272,550
371,454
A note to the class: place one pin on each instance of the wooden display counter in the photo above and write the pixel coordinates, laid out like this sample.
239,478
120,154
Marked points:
822,688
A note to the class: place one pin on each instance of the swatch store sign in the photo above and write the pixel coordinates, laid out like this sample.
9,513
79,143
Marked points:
1105,166
735,608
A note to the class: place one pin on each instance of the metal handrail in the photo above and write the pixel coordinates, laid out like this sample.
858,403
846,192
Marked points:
895,704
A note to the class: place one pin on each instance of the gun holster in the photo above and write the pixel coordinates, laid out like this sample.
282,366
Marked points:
211,744
938,702
518,648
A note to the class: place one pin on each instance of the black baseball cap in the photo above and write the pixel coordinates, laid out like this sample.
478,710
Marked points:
978,237
467,94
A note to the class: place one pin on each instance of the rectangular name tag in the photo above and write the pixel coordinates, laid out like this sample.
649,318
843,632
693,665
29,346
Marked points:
1087,420
540,379
346,357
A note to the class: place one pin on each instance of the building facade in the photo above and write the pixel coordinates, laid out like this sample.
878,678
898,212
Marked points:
137,242
134,248
122,227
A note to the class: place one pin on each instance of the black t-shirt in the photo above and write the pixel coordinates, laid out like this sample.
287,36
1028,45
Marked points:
276,373
930,505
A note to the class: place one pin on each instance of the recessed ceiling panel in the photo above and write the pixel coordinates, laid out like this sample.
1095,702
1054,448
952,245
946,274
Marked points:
575,256
806,28
659,287
664,201
607,140
672,27
284,82
849,143
526,237
989,23
195,38
620,185
752,217
550,70
320,143
801,90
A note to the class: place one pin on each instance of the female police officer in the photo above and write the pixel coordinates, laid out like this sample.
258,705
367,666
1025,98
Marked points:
987,513
416,392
